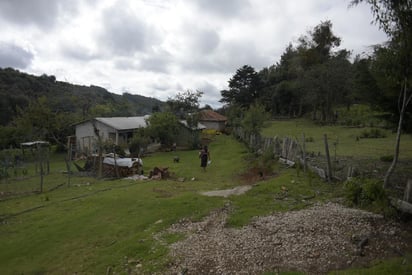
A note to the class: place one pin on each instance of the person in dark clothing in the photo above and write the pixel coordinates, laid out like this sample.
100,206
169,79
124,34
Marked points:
204,156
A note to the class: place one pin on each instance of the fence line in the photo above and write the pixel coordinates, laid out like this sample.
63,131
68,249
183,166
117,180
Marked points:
289,150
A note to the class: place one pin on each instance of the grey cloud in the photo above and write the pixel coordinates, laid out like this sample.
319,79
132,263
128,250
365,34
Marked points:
78,52
227,59
226,8
166,85
125,64
14,56
155,64
41,13
210,93
124,33
205,41
152,62
237,54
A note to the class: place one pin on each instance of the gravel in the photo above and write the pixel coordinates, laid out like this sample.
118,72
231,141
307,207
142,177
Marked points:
315,240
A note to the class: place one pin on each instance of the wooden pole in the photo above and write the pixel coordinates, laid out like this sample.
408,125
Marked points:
116,169
69,164
304,152
40,161
329,166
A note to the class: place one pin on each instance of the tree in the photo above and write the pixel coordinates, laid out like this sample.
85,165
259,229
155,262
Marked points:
139,142
254,119
394,17
244,87
281,85
326,73
184,103
365,85
163,126
186,106
39,122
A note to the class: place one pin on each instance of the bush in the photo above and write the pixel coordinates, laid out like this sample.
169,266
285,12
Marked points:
373,133
388,158
367,193
309,139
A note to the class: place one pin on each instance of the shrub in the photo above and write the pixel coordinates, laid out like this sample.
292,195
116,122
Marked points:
309,139
211,132
388,158
373,133
367,193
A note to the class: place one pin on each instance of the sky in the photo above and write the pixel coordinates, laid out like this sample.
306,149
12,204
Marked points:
158,48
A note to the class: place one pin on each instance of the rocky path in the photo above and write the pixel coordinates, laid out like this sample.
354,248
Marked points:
316,240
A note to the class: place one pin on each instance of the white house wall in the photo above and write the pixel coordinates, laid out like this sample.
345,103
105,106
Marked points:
86,138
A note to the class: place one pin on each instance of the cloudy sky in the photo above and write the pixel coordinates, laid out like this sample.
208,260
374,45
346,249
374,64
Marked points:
157,48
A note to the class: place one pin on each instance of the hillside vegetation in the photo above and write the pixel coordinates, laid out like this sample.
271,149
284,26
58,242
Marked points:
39,107
18,90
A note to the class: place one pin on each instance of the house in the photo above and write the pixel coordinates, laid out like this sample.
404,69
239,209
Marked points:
212,120
117,129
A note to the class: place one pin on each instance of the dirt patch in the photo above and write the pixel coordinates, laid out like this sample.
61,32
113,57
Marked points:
316,240
255,174
228,192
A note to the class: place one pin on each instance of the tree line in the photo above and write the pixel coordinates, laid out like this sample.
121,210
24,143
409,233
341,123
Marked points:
314,78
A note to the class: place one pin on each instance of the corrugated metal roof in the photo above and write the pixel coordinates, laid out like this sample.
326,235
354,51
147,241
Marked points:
124,123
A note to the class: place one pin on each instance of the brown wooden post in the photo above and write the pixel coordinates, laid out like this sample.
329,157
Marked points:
304,151
329,165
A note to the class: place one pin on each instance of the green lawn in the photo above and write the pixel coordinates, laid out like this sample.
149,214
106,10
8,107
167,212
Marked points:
96,225
344,137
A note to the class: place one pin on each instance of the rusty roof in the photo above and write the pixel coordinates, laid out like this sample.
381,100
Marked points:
209,115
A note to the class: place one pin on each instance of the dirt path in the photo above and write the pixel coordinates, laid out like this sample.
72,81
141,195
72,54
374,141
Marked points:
316,240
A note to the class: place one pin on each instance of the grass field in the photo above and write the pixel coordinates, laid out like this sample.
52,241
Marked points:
345,139
94,224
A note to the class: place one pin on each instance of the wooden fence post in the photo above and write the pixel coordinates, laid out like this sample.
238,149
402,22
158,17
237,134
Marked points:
329,166
304,151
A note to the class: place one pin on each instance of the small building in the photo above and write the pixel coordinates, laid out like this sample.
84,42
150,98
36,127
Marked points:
189,137
117,129
212,120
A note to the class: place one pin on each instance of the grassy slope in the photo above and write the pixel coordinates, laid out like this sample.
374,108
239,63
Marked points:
96,224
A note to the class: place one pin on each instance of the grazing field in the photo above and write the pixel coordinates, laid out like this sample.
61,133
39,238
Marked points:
111,226
347,141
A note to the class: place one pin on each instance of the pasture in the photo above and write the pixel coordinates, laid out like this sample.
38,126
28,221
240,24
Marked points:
96,226
346,141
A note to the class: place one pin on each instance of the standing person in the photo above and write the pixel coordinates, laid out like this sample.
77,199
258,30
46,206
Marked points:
204,156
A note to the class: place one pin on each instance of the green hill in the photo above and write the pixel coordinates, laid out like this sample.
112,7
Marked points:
18,90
